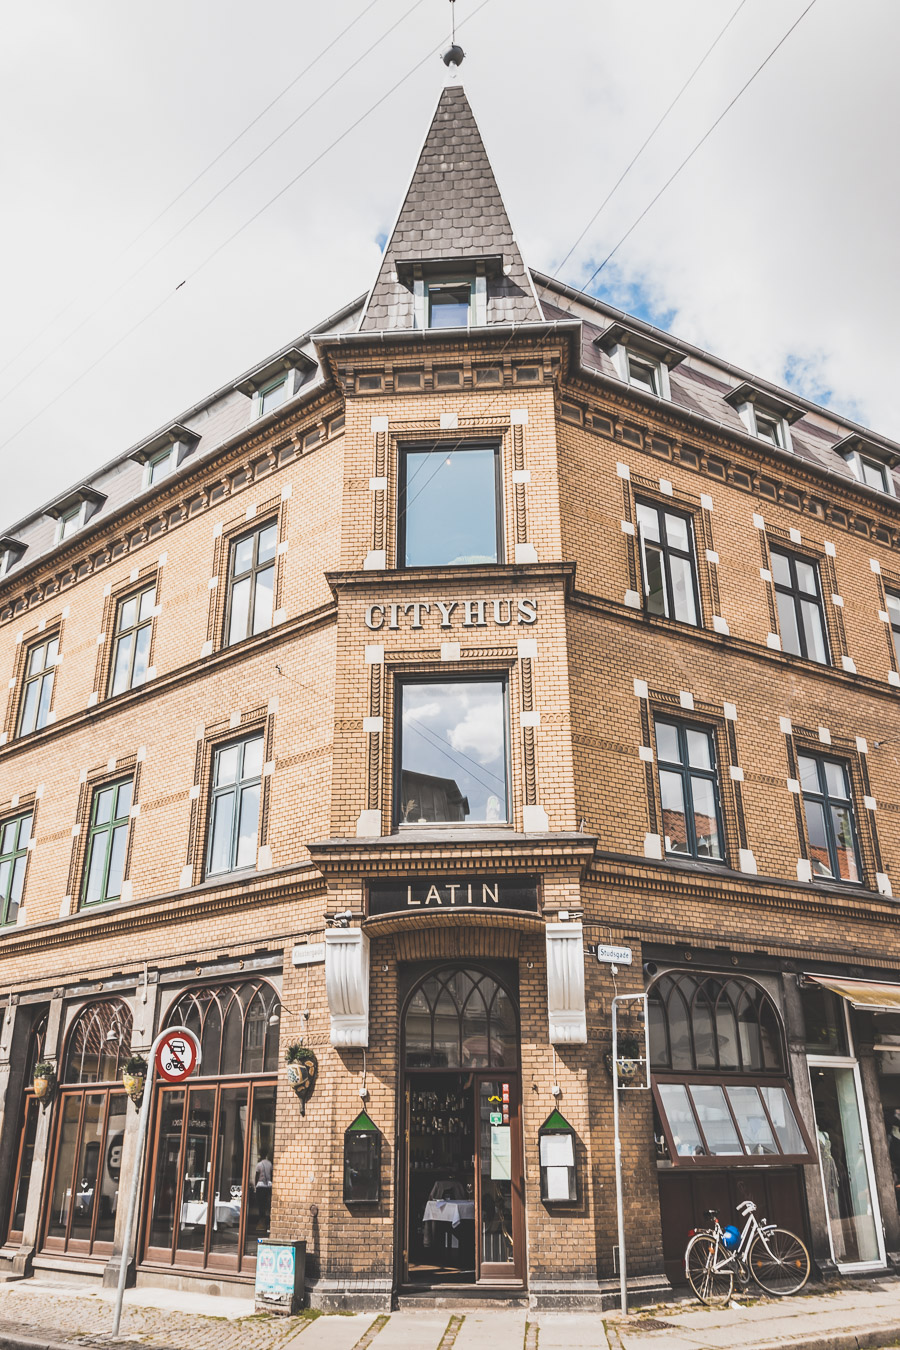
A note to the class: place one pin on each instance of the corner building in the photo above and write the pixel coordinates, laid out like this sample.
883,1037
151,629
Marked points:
361,707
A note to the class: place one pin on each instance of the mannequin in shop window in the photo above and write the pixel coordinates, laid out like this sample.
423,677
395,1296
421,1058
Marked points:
832,1193
892,1124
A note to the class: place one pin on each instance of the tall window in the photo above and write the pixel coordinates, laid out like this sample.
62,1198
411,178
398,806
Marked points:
828,804
799,599
451,752
90,1133
667,553
689,788
107,840
131,648
215,1164
449,513
234,805
251,583
893,609
14,837
37,691
449,304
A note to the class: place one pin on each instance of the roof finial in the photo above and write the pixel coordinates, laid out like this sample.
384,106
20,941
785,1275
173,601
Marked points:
454,55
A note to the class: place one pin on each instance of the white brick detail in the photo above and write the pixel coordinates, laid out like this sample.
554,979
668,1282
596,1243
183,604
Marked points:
730,711
706,502
652,846
686,699
737,774
824,735
870,803
875,566
804,869
773,641
450,651
371,725
640,689
758,522
862,745
530,719
632,599
795,536
645,752
794,786
627,527
379,424
666,488
712,556
784,726
518,417
521,475
830,549
623,471
526,649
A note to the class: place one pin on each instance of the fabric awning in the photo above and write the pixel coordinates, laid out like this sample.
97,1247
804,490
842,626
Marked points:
870,995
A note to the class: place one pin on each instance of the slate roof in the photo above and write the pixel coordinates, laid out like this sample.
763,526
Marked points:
453,209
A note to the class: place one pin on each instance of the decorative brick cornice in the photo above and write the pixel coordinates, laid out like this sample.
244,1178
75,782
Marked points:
416,853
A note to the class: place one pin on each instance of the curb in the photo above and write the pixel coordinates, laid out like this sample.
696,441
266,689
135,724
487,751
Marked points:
875,1338
15,1341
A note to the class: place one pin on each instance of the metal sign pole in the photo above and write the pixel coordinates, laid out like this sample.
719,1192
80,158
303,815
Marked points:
137,1168
620,1209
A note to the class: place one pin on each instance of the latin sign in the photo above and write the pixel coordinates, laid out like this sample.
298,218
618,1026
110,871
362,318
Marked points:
443,894
177,1056
511,611
614,956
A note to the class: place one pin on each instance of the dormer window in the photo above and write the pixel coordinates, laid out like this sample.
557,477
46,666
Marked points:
765,415
163,454
71,522
73,511
449,304
872,461
11,551
277,381
640,359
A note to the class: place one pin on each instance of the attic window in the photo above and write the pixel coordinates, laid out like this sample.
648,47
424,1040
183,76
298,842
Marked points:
70,522
872,461
160,466
271,396
766,415
449,304
769,428
643,373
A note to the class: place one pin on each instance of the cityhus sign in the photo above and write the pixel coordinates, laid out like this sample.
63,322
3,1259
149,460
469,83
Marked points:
487,613
493,894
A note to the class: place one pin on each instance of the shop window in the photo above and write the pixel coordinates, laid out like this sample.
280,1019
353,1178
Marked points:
215,1164
689,790
719,1074
826,1022
27,1135
828,807
801,617
251,583
37,689
451,752
131,644
90,1132
234,805
667,556
15,835
460,1019
104,866
449,505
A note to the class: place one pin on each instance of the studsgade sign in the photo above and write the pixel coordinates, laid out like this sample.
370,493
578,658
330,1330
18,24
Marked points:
454,613
442,894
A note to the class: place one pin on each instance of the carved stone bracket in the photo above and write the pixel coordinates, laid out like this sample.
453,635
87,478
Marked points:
565,984
347,985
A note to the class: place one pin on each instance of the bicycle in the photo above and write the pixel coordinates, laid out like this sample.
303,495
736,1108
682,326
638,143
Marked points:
775,1258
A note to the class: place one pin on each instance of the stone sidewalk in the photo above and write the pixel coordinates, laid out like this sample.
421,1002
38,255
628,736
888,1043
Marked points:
37,1314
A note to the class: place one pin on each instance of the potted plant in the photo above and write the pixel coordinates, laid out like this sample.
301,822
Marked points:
631,1053
44,1079
302,1069
134,1076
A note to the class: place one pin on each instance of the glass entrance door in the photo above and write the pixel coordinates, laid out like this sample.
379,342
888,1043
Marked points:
845,1162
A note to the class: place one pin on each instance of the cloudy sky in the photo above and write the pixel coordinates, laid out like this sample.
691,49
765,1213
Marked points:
775,247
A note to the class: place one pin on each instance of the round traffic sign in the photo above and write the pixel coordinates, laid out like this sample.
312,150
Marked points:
177,1056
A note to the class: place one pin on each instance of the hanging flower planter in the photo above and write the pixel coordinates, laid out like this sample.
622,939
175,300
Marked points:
134,1076
302,1070
629,1062
44,1080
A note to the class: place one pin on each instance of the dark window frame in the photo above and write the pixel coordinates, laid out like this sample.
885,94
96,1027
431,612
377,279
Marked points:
666,550
237,788
20,851
687,771
824,799
255,570
481,677
118,634
726,1081
438,448
796,595
46,672
109,828
449,284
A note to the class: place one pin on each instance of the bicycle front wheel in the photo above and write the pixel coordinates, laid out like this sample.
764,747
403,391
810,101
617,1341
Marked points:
779,1262
709,1269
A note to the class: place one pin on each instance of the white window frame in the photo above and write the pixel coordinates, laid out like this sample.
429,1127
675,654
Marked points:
291,382
621,357
78,513
856,461
748,415
170,455
477,301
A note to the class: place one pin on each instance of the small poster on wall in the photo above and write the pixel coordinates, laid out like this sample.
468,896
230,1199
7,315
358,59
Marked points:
501,1153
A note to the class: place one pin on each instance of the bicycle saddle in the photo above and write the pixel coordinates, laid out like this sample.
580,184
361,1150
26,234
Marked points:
712,1213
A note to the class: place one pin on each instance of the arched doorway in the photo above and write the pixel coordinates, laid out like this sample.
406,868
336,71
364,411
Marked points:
463,1216
727,1125
90,1129
212,1158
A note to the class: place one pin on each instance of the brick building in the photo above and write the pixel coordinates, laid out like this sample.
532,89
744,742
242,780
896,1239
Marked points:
481,627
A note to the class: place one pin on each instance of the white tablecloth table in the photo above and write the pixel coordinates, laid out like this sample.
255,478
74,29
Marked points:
449,1211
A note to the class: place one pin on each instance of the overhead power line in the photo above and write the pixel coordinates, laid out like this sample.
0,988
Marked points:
205,207
234,235
627,170
194,181
690,155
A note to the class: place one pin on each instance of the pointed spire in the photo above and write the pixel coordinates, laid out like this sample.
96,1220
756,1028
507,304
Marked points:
452,212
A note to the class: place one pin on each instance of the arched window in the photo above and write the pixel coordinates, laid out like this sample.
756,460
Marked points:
99,1043
719,1070
238,1026
28,1123
460,1019
713,1024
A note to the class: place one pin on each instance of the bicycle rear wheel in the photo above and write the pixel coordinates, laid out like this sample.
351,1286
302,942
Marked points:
779,1262
710,1280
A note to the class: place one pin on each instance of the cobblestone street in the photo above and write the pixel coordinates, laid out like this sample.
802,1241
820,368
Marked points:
38,1313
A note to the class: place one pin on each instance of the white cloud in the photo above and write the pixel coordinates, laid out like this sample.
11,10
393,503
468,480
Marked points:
775,248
